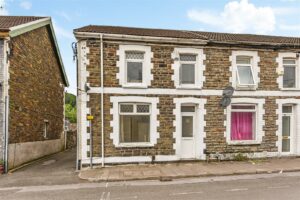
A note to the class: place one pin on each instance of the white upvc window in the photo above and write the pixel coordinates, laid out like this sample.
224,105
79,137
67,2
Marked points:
187,73
244,123
244,70
289,73
188,68
134,66
134,123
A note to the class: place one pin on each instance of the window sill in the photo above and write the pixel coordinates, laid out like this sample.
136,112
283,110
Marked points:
135,86
290,89
245,89
130,145
243,142
195,87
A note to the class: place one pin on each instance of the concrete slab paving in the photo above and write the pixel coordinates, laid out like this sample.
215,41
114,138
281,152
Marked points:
188,170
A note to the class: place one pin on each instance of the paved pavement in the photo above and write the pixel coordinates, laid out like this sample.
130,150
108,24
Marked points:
56,169
188,170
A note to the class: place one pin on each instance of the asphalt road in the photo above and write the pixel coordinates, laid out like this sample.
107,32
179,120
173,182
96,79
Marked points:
55,178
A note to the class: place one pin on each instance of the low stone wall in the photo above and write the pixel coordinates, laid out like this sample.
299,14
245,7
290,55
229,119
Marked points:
71,139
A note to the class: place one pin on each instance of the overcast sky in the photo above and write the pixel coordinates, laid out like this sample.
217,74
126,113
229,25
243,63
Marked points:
274,17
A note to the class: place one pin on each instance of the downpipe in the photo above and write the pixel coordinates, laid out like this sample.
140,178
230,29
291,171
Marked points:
102,104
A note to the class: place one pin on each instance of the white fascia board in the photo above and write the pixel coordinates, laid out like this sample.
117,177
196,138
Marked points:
82,35
23,28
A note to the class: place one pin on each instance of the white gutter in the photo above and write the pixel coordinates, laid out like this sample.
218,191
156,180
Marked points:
102,104
140,38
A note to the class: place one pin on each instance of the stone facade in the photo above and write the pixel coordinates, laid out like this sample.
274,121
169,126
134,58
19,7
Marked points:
36,88
217,76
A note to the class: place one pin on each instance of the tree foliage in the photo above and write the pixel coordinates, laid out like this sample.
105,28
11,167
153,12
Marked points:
70,107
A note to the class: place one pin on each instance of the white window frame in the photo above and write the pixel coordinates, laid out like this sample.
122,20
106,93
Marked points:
115,123
195,70
259,123
147,65
280,69
254,69
46,126
238,74
199,67
137,61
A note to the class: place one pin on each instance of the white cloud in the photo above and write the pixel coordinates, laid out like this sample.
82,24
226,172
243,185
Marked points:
238,17
290,27
26,5
65,16
3,10
61,32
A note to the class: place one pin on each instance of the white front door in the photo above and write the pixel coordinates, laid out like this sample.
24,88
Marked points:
188,130
287,130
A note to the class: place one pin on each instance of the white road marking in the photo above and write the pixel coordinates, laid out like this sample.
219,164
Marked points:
237,189
185,193
102,196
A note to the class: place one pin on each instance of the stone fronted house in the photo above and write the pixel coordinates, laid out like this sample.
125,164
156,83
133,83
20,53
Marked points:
159,91
32,83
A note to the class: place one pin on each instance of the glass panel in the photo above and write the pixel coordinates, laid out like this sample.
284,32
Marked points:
287,109
286,126
142,108
245,75
187,108
243,60
286,145
248,107
187,75
289,61
187,57
289,77
134,128
126,108
134,55
187,126
242,126
134,72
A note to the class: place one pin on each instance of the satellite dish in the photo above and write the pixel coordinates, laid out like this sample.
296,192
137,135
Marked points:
227,94
228,91
225,101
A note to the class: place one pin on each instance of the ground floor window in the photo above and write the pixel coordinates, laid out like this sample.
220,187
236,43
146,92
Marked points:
134,122
243,122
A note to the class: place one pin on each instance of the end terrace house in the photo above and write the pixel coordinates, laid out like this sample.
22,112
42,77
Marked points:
154,95
32,83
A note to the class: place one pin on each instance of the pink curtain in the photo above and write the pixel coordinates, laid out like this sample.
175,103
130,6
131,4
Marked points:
241,126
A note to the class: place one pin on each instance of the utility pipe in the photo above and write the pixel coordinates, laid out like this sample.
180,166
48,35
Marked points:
102,104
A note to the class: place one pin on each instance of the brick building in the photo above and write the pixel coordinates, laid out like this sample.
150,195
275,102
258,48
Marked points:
32,81
160,91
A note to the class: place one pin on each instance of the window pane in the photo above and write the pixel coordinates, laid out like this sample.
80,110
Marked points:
248,107
134,128
242,126
187,126
142,108
287,109
289,77
187,57
187,75
134,55
286,126
289,61
243,60
286,145
134,72
126,108
245,75
187,108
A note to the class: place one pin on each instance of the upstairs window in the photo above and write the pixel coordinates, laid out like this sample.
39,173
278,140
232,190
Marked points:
134,66
134,123
289,73
244,71
187,69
